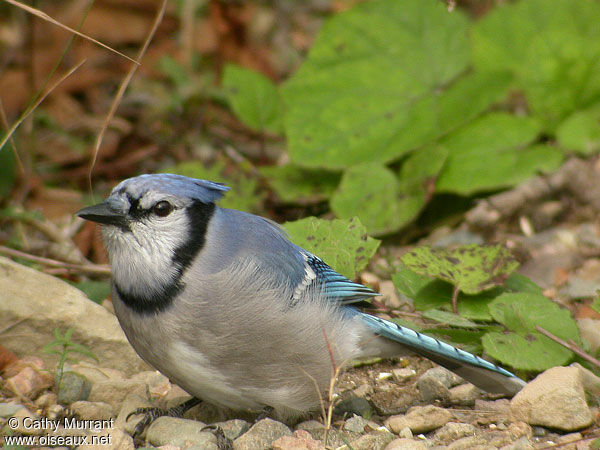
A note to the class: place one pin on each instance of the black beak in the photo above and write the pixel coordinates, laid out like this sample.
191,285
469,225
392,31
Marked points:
104,214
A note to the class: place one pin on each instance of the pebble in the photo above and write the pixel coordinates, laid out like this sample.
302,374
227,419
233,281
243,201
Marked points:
119,440
17,366
73,387
554,399
420,419
46,400
300,440
403,374
464,395
435,384
158,384
335,437
453,431
363,390
590,331
354,405
356,424
92,410
261,435
234,428
9,409
29,382
406,444
522,443
114,391
180,432
97,374
470,443
388,290
591,382
375,439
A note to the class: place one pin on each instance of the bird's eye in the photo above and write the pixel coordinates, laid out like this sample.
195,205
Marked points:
162,208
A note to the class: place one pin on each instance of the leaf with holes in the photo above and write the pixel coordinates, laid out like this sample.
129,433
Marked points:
343,244
472,268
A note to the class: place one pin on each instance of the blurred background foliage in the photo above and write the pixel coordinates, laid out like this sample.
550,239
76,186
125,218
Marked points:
392,117
344,108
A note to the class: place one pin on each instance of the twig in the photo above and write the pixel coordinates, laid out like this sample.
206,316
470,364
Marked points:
44,16
5,125
124,84
98,269
570,345
455,300
12,129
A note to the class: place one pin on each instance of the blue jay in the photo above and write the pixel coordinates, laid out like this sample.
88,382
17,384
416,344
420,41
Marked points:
222,303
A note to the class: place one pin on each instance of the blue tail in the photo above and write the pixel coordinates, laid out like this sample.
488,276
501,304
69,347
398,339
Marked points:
481,373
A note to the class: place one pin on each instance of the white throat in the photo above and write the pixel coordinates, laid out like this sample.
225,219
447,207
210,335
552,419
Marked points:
142,263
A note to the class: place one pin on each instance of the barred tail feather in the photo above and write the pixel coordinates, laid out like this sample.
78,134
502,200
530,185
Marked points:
483,374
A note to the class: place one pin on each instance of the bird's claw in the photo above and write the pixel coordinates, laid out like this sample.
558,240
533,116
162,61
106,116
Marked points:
150,415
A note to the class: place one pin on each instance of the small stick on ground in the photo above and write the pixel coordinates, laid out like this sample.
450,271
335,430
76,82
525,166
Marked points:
570,345
455,300
93,269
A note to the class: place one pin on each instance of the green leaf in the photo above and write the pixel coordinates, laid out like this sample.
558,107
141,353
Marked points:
342,244
522,312
520,283
82,349
254,98
491,153
524,347
552,48
383,202
243,188
293,184
580,132
369,191
530,351
381,79
438,295
449,318
409,282
595,305
473,268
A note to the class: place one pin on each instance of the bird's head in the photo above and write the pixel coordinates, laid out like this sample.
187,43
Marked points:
153,226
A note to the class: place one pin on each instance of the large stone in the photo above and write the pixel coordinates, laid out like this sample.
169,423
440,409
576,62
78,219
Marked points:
555,399
35,304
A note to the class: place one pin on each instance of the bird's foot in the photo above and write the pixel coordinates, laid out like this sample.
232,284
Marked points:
223,442
266,413
153,413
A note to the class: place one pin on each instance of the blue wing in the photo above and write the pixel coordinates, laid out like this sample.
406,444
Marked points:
336,287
